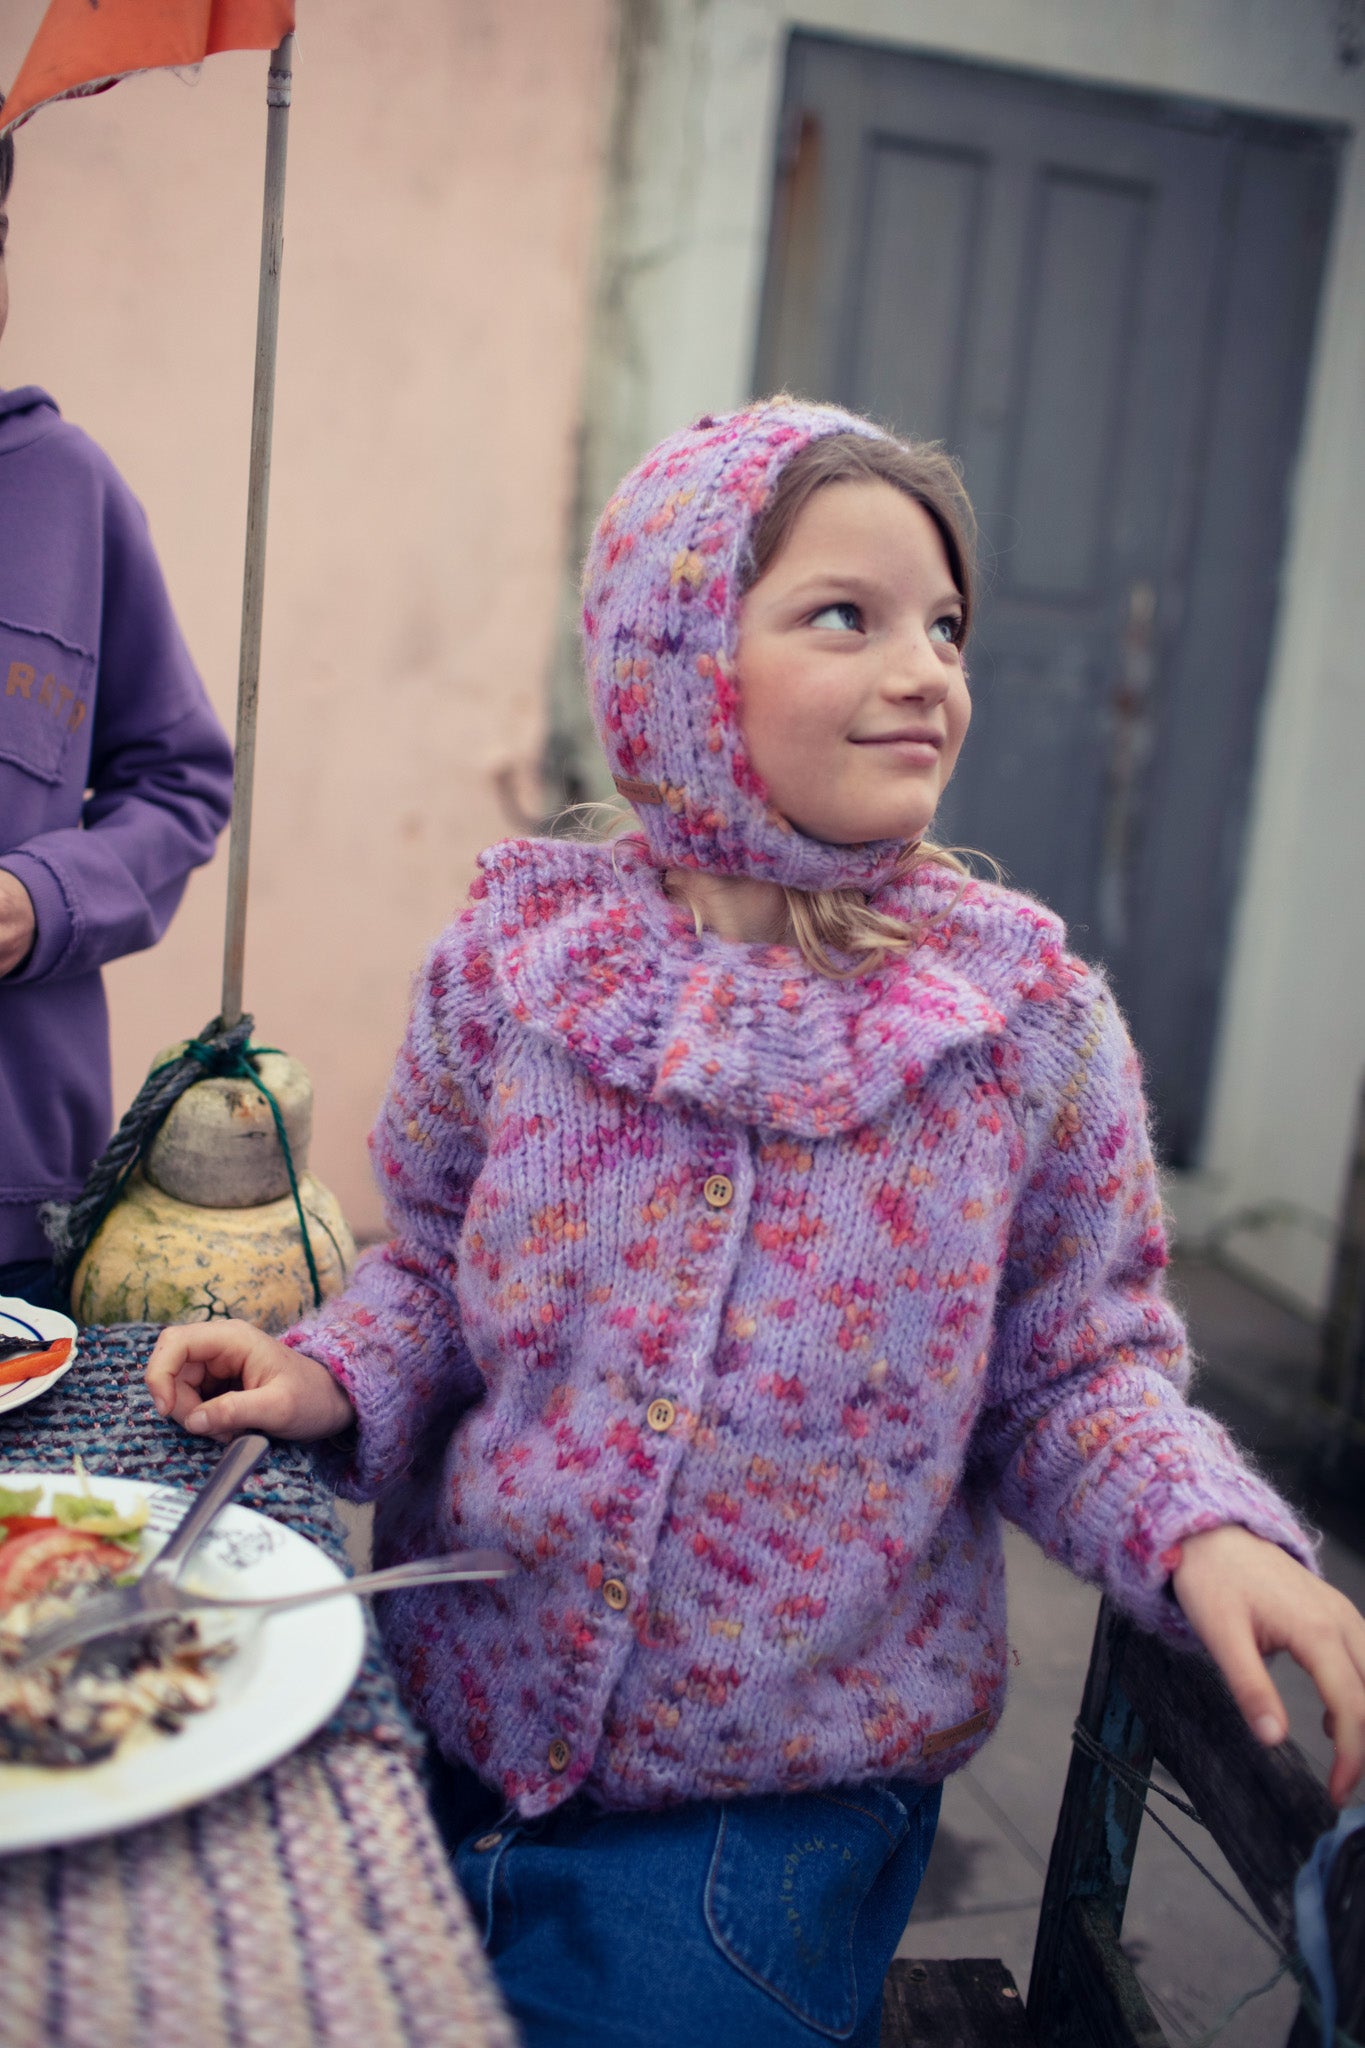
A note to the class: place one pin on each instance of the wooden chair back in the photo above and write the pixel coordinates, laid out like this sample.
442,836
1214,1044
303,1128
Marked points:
1143,1703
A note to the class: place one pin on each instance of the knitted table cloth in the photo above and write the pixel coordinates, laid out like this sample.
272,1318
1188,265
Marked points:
310,1908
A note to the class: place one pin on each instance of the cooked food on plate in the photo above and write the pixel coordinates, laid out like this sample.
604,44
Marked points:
78,1707
28,1358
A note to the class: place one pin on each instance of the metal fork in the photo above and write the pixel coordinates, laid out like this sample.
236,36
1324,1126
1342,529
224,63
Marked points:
130,1607
95,1620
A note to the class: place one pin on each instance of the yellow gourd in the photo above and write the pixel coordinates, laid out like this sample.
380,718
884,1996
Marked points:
209,1228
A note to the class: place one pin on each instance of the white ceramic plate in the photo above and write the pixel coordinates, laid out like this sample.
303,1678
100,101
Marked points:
282,1681
17,1318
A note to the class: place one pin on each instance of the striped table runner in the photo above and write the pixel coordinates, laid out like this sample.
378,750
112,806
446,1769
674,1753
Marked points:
312,1908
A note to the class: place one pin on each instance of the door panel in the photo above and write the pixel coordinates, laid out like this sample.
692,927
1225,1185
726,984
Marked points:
1103,305
1209,687
923,220
1091,241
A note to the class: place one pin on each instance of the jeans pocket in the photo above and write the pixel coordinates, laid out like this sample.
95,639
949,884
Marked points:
789,1875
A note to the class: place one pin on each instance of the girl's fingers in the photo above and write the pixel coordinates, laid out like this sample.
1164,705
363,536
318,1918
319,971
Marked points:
190,1353
1228,1638
1326,1656
186,1394
267,1385
227,1415
1326,1635
1354,1631
1346,1770
167,1359
1246,1599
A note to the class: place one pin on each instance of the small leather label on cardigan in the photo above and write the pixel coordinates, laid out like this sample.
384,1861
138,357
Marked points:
948,1738
636,792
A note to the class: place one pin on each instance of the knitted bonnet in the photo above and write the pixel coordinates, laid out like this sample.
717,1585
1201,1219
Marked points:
661,595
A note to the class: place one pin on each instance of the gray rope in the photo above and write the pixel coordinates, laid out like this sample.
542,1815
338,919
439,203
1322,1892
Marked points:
1136,1782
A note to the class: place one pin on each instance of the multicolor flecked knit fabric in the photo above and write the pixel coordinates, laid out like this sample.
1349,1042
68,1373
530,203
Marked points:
660,628
889,1255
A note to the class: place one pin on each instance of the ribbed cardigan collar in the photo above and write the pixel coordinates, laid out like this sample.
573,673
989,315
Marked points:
590,953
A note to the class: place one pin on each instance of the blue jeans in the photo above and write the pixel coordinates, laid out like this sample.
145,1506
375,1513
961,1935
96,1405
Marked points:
33,1280
718,1924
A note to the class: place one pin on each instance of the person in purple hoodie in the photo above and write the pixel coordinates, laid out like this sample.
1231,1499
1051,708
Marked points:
115,781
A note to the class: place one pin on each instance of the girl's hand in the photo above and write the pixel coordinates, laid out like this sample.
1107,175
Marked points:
282,1392
1246,1598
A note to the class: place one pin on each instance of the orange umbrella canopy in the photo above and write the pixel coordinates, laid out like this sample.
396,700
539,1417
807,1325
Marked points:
83,48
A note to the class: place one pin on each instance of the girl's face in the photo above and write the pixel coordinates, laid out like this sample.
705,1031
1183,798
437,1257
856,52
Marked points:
853,697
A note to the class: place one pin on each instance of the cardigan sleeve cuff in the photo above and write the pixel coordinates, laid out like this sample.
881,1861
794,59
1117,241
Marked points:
362,1460
1140,1577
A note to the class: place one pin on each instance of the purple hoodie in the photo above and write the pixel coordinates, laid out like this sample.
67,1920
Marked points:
115,780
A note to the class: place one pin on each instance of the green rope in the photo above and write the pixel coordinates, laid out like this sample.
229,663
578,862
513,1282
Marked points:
1229,2014
1290,1966
240,1067
218,1050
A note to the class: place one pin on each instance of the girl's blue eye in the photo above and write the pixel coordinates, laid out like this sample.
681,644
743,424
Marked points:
948,629
844,618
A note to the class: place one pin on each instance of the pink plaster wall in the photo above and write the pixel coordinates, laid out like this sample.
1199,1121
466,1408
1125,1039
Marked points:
444,162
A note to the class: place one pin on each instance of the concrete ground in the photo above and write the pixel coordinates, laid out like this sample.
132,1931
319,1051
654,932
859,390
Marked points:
984,1884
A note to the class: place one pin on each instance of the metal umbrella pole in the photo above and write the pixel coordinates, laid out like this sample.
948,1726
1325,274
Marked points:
278,92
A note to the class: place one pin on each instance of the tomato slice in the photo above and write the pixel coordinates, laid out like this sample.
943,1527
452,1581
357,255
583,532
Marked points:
24,1525
40,1558
31,1365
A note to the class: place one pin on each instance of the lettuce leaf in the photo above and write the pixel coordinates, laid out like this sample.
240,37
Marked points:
18,1500
100,1517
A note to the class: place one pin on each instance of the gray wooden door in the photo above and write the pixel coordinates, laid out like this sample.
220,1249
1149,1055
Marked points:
1103,304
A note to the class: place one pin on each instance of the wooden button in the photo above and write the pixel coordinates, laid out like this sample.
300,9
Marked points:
559,1754
615,1594
719,1191
487,1842
660,1415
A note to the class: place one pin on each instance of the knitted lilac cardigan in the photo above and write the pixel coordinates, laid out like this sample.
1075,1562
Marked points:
752,1454
739,1303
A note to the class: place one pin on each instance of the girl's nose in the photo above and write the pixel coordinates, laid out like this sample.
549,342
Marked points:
916,668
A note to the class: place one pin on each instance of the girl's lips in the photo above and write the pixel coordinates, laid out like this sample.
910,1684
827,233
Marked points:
919,736
920,749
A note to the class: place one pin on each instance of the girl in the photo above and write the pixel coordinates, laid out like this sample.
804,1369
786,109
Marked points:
772,1211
